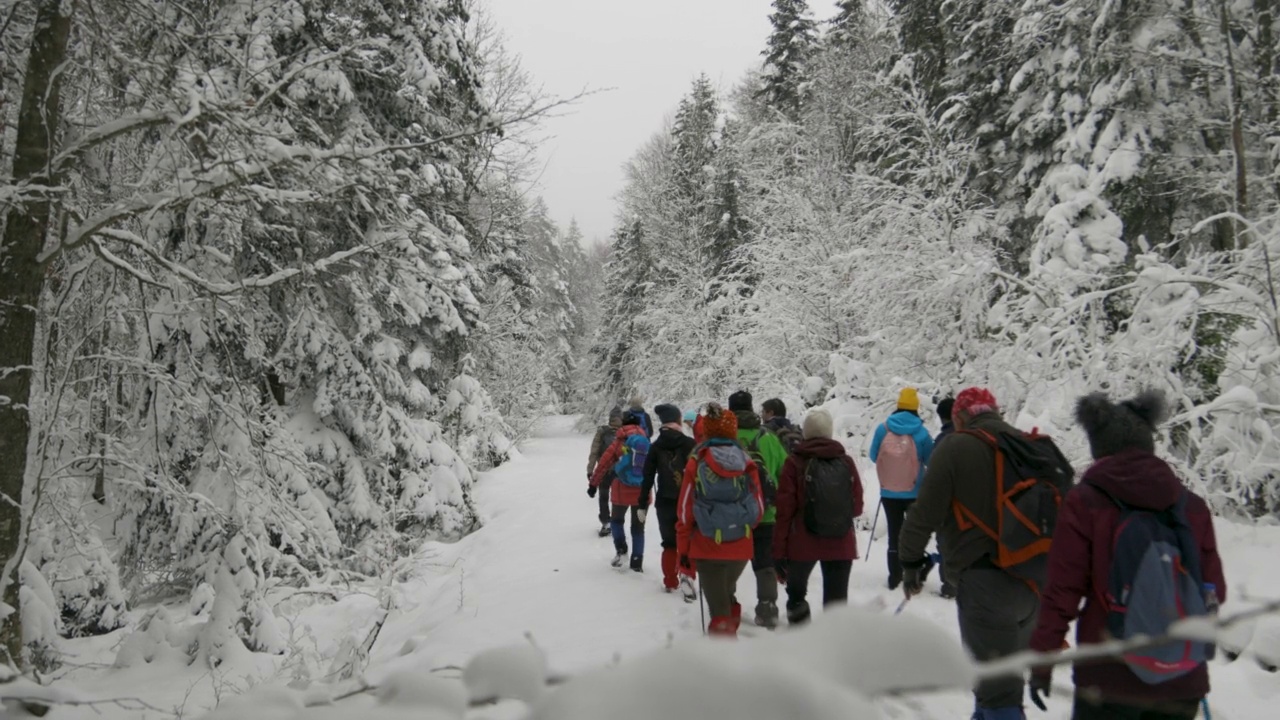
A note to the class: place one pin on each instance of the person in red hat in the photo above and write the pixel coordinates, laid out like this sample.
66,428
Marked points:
958,499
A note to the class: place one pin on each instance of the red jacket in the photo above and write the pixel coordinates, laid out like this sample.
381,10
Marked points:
1080,562
791,539
692,543
620,493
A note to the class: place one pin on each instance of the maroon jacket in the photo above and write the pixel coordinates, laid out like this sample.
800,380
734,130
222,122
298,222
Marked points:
791,539
1080,563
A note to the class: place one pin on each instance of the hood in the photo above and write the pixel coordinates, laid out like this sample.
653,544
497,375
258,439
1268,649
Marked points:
670,439
1136,478
627,430
824,448
747,420
904,423
726,459
780,423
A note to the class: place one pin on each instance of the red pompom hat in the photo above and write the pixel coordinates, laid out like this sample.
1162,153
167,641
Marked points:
975,401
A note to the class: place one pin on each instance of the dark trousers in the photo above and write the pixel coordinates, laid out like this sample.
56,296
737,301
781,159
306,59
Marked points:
895,514
666,510
762,563
835,581
719,579
616,523
997,615
603,496
1086,709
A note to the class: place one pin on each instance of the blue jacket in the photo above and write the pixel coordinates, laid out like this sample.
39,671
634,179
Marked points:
905,423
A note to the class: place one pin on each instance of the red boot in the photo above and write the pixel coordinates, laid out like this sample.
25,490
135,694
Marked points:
670,562
735,613
723,627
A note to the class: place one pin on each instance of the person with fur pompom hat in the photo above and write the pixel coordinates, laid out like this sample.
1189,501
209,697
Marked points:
721,503
1126,484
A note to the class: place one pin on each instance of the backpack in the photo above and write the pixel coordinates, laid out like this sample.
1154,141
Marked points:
828,497
1032,475
1155,581
788,435
768,483
670,463
630,467
724,508
898,464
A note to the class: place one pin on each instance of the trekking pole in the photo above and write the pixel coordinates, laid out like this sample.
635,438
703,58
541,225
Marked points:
1204,703
872,541
702,609
902,606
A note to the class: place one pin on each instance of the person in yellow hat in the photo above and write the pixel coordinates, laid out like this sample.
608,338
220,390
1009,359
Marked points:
900,449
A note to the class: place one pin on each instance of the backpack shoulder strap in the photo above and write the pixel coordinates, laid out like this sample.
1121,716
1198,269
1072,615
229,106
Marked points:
982,435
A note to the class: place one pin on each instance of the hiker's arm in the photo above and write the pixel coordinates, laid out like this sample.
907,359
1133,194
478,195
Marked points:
596,449
650,470
775,454
786,508
930,509
876,439
857,486
606,463
757,488
924,446
1069,573
684,509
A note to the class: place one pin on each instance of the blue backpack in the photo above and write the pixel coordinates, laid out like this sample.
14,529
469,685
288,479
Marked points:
630,467
1155,581
724,508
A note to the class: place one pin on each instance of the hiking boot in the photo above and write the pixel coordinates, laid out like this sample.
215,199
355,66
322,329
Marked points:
605,530
619,559
687,590
894,582
767,615
798,613
637,563
948,591
723,627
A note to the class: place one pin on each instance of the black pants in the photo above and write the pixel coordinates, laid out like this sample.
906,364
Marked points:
997,615
666,510
762,564
835,581
1086,709
603,496
895,514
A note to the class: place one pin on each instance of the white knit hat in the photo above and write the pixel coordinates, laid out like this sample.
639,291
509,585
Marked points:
818,424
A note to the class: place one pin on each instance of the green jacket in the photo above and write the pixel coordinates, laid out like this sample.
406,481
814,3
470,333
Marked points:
771,450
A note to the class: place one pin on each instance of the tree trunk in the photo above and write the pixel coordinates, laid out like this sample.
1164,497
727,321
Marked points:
21,281
1237,121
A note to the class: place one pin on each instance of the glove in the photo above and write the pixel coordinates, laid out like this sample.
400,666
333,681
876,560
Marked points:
641,514
591,491
1040,685
686,566
913,575
780,568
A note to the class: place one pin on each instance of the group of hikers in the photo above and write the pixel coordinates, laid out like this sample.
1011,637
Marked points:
1022,548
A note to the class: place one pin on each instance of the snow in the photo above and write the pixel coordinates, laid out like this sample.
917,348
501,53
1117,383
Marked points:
528,608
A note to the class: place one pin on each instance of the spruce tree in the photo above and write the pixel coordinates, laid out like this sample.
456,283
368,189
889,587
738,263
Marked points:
848,23
789,48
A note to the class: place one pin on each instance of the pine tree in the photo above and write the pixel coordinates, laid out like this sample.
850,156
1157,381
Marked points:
789,48
848,25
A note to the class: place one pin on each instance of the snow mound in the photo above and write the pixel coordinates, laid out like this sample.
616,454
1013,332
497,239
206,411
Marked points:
518,672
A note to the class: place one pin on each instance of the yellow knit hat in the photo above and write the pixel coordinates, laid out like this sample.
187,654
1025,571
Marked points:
908,400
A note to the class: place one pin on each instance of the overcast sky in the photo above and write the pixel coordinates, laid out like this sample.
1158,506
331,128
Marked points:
649,51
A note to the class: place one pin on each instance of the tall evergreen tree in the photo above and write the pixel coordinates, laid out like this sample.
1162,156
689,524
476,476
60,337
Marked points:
848,24
791,43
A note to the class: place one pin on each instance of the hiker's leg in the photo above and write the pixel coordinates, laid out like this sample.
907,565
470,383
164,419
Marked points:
666,511
798,573
766,576
997,614
714,577
617,520
603,496
637,532
835,581
895,513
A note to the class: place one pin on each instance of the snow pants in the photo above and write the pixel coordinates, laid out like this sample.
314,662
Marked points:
616,523
895,514
997,615
835,582
666,511
1086,709
719,580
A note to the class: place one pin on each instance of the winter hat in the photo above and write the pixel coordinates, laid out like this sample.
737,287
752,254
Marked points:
615,415
818,424
909,399
720,423
637,402
631,417
667,413
974,401
740,400
944,409
690,416
1120,426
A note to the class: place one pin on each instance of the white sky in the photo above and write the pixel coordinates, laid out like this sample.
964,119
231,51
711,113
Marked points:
649,51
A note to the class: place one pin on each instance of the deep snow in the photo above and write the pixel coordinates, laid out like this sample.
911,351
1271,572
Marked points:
537,573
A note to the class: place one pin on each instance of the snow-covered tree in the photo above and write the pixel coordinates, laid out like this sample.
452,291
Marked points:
786,56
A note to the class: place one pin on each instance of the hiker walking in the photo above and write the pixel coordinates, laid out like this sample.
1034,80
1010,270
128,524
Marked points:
773,413
1128,509
625,460
997,563
768,454
603,439
900,448
720,502
637,406
664,469
819,496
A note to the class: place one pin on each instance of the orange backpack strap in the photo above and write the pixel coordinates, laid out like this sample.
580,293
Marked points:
966,519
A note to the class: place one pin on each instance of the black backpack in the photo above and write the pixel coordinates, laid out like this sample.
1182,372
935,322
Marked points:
828,497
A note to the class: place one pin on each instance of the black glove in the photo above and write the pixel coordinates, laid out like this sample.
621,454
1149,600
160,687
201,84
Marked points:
913,575
1040,684
684,562
591,491
780,567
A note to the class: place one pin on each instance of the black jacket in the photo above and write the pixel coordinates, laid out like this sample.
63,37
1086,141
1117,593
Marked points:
667,458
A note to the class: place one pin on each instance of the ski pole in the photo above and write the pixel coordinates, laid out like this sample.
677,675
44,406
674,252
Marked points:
872,541
702,609
1204,703
902,606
